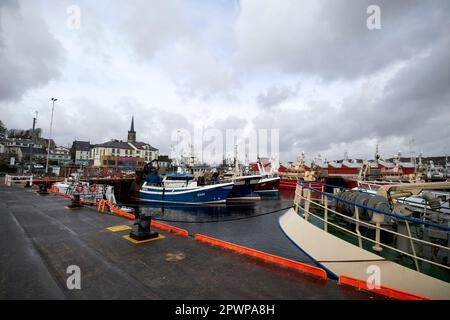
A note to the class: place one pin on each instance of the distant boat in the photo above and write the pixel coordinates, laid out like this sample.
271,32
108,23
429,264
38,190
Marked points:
243,188
183,189
267,185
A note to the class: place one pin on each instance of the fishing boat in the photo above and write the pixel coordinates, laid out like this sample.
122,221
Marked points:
244,184
269,183
436,172
181,188
398,231
243,187
301,170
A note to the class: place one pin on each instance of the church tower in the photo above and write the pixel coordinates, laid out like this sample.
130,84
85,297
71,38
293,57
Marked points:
131,132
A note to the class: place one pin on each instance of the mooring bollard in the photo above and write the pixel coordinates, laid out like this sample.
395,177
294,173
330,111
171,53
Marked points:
43,189
76,202
143,221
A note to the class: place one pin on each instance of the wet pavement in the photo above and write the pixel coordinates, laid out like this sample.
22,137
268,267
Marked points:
40,239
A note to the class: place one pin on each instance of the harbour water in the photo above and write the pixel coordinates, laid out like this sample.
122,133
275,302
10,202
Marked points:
252,225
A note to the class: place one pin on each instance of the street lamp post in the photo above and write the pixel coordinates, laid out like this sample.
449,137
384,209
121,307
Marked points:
50,138
33,141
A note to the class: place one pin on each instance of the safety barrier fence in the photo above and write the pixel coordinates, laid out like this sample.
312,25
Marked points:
9,179
30,179
306,268
304,203
383,290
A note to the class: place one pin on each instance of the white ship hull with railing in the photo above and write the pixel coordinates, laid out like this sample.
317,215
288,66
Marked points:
342,258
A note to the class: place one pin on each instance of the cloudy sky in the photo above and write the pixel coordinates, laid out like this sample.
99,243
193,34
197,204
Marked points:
311,69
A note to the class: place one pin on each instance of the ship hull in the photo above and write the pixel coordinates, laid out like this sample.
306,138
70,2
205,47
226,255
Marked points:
211,194
331,251
268,186
244,189
288,183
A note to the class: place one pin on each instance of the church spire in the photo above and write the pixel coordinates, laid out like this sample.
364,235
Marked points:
132,133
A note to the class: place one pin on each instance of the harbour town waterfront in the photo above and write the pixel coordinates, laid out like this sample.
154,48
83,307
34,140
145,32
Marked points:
228,157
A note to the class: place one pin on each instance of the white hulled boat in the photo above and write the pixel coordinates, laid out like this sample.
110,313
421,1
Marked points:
352,233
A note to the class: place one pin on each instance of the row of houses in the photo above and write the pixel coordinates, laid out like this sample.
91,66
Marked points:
130,154
120,154
352,168
22,150
112,153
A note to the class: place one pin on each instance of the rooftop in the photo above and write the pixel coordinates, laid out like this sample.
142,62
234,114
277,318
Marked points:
36,151
81,145
115,144
141,145
164,158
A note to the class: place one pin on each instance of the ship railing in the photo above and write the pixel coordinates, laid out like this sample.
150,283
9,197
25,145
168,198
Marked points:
97,194
372,186
304,204
9,179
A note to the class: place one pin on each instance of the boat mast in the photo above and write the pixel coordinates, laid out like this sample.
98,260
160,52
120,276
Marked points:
236,164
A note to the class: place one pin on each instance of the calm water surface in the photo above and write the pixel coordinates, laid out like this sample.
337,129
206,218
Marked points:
252,229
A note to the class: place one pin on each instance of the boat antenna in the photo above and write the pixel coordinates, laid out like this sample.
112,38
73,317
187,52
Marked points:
236,165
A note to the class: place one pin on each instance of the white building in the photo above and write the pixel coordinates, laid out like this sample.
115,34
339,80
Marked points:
80,152
123,154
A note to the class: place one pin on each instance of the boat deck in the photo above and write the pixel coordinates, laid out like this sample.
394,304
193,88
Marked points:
40,238
332,248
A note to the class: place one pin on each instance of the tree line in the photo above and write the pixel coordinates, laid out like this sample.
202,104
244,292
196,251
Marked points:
24,134
19,133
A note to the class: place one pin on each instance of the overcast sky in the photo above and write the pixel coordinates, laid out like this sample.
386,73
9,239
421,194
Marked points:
311,69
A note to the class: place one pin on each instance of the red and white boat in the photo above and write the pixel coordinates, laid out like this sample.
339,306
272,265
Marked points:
269,183
300,170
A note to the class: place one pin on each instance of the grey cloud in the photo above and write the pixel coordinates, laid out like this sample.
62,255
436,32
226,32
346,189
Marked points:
84,118
417,93
200,73
29,55
186,45
161,127
323,39
414,103
231,122
275,95
152,25
330,39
